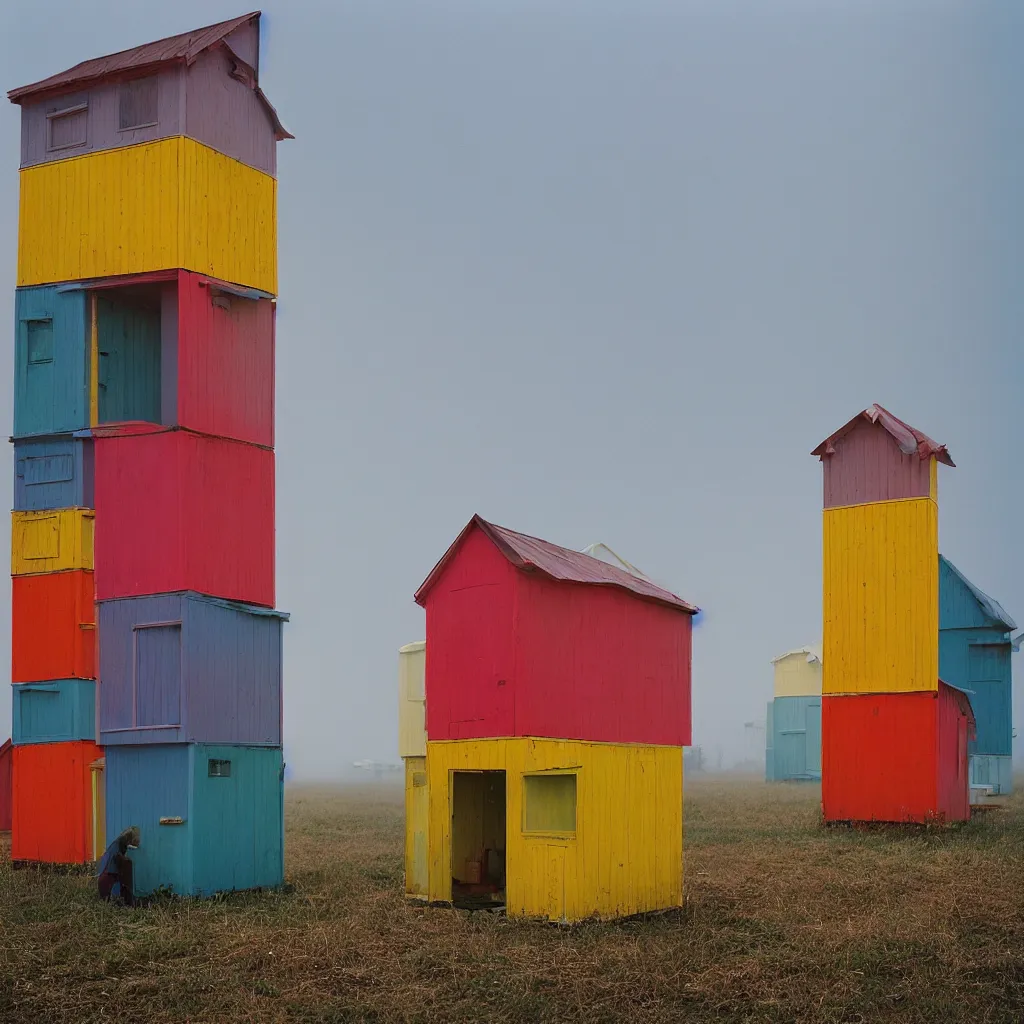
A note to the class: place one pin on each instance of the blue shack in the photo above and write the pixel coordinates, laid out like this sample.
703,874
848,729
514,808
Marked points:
974,654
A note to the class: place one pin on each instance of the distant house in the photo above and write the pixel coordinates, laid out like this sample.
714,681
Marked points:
793,731
975,649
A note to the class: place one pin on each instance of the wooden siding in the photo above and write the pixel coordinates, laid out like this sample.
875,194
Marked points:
795,676
880,600
795,738
869,466
511,653
225,114
412,730
56,711
52,804
157,206
626,854
51,541
893,757
417,825
214,676
51,473
231,833
102,119
179,511
53,627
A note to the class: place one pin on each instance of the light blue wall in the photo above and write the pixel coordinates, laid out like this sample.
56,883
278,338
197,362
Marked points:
53,473
54,712
795,738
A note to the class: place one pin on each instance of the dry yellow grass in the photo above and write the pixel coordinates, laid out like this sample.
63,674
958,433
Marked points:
785,921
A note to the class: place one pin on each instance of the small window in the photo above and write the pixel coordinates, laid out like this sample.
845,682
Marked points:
549,803
219,769
67,128
40,341
138,100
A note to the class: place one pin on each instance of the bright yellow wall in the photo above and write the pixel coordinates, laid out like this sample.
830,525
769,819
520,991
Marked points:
412,725
796,677
155,206
51,541
417,812
626,856
881,597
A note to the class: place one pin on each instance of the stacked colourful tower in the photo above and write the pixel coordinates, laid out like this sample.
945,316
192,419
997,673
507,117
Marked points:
894,736
557,701
147,273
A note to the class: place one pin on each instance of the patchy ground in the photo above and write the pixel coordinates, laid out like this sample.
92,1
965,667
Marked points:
785,921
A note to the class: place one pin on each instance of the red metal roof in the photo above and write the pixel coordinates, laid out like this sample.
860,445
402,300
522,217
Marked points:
185,47
910,440
563,564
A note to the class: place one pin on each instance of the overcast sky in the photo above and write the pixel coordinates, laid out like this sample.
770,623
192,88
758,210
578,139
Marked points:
608,272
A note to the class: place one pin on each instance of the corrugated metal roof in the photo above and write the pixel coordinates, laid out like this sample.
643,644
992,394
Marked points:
910,440
991,607
813,653
184,47
416,645
534,555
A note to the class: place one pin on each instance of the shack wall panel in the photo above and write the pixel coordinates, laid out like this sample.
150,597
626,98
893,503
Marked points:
225,382
417,827
412,732
103,121
626,854
958,607
50,394
881,603
53,541
796,738
225,114
53,627
227,679
869,466
795,676
953,771
178,511
595,663
988,770
143,785
53,473
57,711
239,827
881,758
6,790
134,210
470,656
52,802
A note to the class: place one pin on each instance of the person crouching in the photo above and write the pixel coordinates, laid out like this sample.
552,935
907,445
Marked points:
115,867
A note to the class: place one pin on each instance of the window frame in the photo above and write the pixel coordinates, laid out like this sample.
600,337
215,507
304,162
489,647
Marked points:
56,115
28,321
155,78
549,833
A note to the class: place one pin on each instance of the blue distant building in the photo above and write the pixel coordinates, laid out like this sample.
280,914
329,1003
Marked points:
974,655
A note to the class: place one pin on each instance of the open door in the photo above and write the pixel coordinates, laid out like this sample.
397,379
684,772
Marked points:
478,838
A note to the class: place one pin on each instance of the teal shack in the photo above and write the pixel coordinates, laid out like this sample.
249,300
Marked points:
793,726
974,655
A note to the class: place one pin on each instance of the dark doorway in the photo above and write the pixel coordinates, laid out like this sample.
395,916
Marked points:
478,839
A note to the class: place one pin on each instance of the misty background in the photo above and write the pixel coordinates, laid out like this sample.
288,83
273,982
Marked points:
606,272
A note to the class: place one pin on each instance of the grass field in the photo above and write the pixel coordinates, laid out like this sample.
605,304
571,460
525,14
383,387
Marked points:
784,921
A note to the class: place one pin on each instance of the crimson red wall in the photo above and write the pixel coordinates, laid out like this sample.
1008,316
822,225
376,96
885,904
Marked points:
180,511
6,794
469,671
225,362
885,756
52,805
510,653
954,781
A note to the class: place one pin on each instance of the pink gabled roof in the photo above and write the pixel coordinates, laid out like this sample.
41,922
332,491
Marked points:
531,554
185,47
910,440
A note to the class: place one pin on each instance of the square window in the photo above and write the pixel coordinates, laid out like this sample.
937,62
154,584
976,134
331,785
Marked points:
138,103
218,769
549,803
67,128
40,341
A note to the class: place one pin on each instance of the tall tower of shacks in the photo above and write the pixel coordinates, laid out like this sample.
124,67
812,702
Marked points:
894,736
144,404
